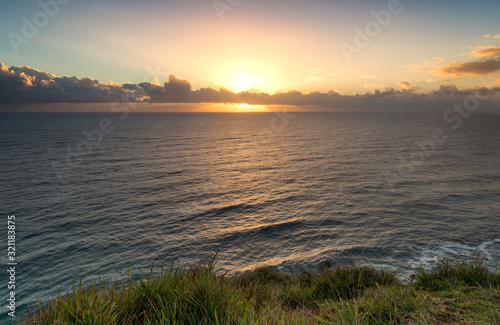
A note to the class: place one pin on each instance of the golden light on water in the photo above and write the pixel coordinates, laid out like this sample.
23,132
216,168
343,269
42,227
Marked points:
250,108
164,108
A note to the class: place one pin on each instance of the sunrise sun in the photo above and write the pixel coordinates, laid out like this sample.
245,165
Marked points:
242,82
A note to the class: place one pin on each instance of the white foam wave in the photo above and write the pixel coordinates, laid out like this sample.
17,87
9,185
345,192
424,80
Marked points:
429,256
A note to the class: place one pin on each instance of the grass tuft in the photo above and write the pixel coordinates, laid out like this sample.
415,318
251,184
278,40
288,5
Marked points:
448,275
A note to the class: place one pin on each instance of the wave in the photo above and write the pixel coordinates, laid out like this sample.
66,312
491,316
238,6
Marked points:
489,251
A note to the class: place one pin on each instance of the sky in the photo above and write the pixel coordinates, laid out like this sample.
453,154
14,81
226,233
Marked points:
297,52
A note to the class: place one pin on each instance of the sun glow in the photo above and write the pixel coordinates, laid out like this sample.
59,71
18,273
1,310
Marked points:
245,75
242,82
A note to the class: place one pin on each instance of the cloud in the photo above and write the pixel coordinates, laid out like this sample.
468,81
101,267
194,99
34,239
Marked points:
474,68
40,75
315,78
28,85
372,86
174,90
488,62
482,60
404,84
486,52
321,74
427,65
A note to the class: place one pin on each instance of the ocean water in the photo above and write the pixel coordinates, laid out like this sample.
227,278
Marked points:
288,190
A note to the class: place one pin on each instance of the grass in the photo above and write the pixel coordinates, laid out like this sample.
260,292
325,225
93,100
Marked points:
463,293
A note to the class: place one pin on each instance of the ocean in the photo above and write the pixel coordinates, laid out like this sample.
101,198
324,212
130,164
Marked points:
97,193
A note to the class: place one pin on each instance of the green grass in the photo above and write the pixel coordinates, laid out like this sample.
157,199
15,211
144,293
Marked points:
463,293
446,275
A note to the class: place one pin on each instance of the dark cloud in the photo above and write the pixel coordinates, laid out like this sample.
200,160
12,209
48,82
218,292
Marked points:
176,88
27,85
39,75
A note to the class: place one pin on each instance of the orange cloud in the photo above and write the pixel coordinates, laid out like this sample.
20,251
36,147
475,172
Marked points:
487,52
489,63
404,84
427,65
474,68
